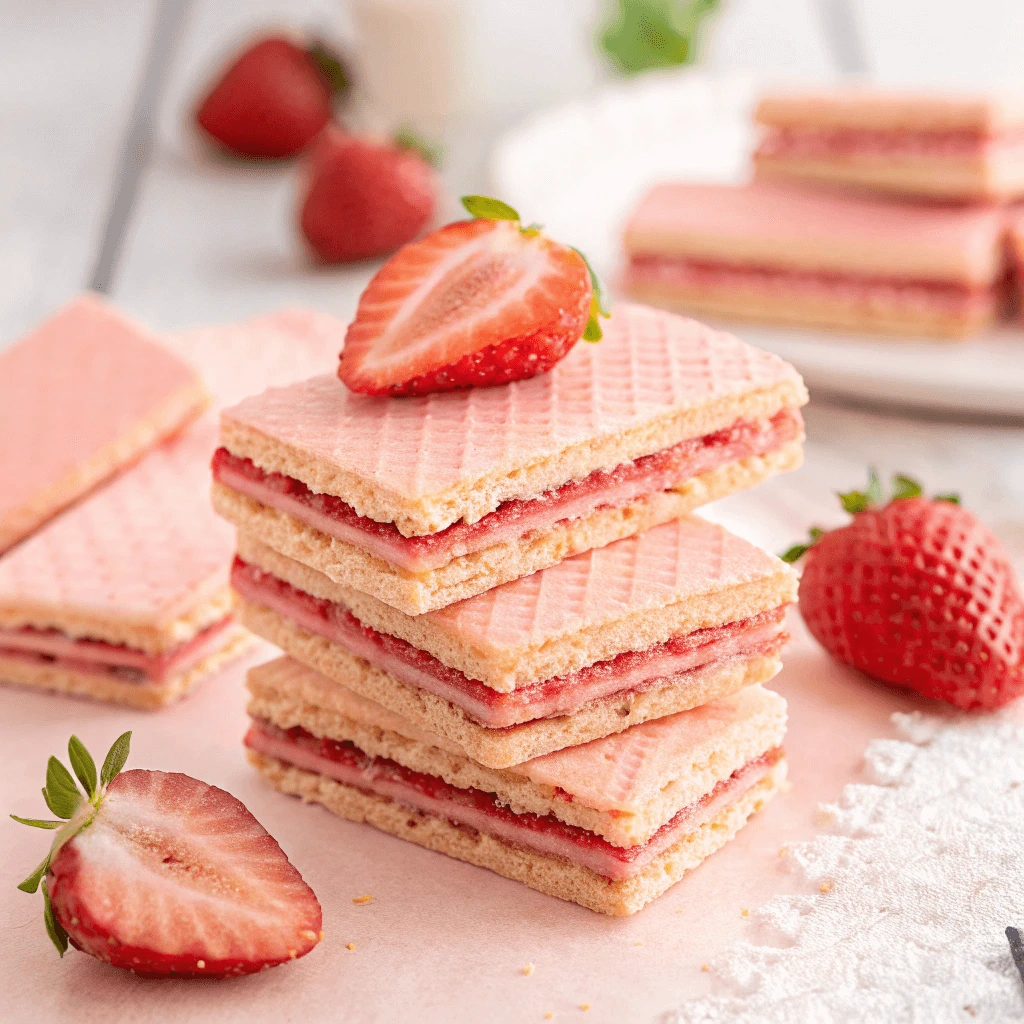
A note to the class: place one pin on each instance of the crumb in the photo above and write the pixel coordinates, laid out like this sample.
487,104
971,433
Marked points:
528,969
584,1006
320,936
1015,784
549,1015
679,910
744,912
638,943
825,886
783,851
351,945
362,900
201,964
705,968
971,1010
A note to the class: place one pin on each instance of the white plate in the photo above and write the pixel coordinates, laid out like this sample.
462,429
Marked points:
579,168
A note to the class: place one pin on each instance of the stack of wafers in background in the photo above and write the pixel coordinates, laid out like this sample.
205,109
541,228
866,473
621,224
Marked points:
875,212
507,639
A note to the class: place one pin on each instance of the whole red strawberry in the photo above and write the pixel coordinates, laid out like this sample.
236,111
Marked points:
917,593
474,304
272,100
165,875
364,197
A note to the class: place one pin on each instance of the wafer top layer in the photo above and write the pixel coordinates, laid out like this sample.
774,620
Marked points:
133,561
80,396
425,463
792,227
882,110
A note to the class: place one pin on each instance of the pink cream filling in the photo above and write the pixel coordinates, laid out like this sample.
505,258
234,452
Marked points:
628,672
679,272
95,657
518,517
472,808
850,142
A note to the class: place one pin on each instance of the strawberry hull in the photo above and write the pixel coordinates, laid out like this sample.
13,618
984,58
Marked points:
346,763
628,672
516,518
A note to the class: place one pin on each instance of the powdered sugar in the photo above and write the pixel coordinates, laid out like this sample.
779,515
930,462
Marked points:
919,874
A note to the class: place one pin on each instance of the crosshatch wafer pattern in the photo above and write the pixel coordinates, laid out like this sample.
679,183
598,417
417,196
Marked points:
650,363
80,382
627,769
242,359
136,551
668,564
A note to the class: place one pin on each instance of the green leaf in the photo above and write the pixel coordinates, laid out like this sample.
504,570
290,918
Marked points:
330,66
592,332
816,533
37,822
115,759
486,208
795,553
58,936
874,494
32,882
83,764
905,487
953,499
655,33
60,793
406,138
854,502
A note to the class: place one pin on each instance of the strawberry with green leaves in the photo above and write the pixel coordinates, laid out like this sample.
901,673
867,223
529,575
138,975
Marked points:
165,875
478,303
919,593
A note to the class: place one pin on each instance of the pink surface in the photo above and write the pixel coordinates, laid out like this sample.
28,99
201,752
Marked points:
626,771
141,550
649,363
80,382
444,938
614,488
845,232
675,562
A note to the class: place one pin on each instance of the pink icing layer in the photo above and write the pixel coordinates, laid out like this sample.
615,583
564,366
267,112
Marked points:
854,142
50,646
678,272
493,709
473,808
516,518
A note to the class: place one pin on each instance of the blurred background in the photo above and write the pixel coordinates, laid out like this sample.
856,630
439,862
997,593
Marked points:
104,182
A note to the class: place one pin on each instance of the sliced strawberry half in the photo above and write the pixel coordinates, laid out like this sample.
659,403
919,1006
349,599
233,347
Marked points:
165,875
474,304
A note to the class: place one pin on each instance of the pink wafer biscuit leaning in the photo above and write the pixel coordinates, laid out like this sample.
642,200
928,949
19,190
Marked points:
80,397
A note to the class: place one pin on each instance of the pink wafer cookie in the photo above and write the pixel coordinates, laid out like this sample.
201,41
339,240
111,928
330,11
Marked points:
85,393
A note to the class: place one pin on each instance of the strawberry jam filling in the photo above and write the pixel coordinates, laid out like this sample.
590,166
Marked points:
810,143
96,657
952,297
473,808
630,671
516,518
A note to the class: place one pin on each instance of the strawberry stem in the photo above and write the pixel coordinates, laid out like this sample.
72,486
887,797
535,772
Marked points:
330,66
64,799
406,138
